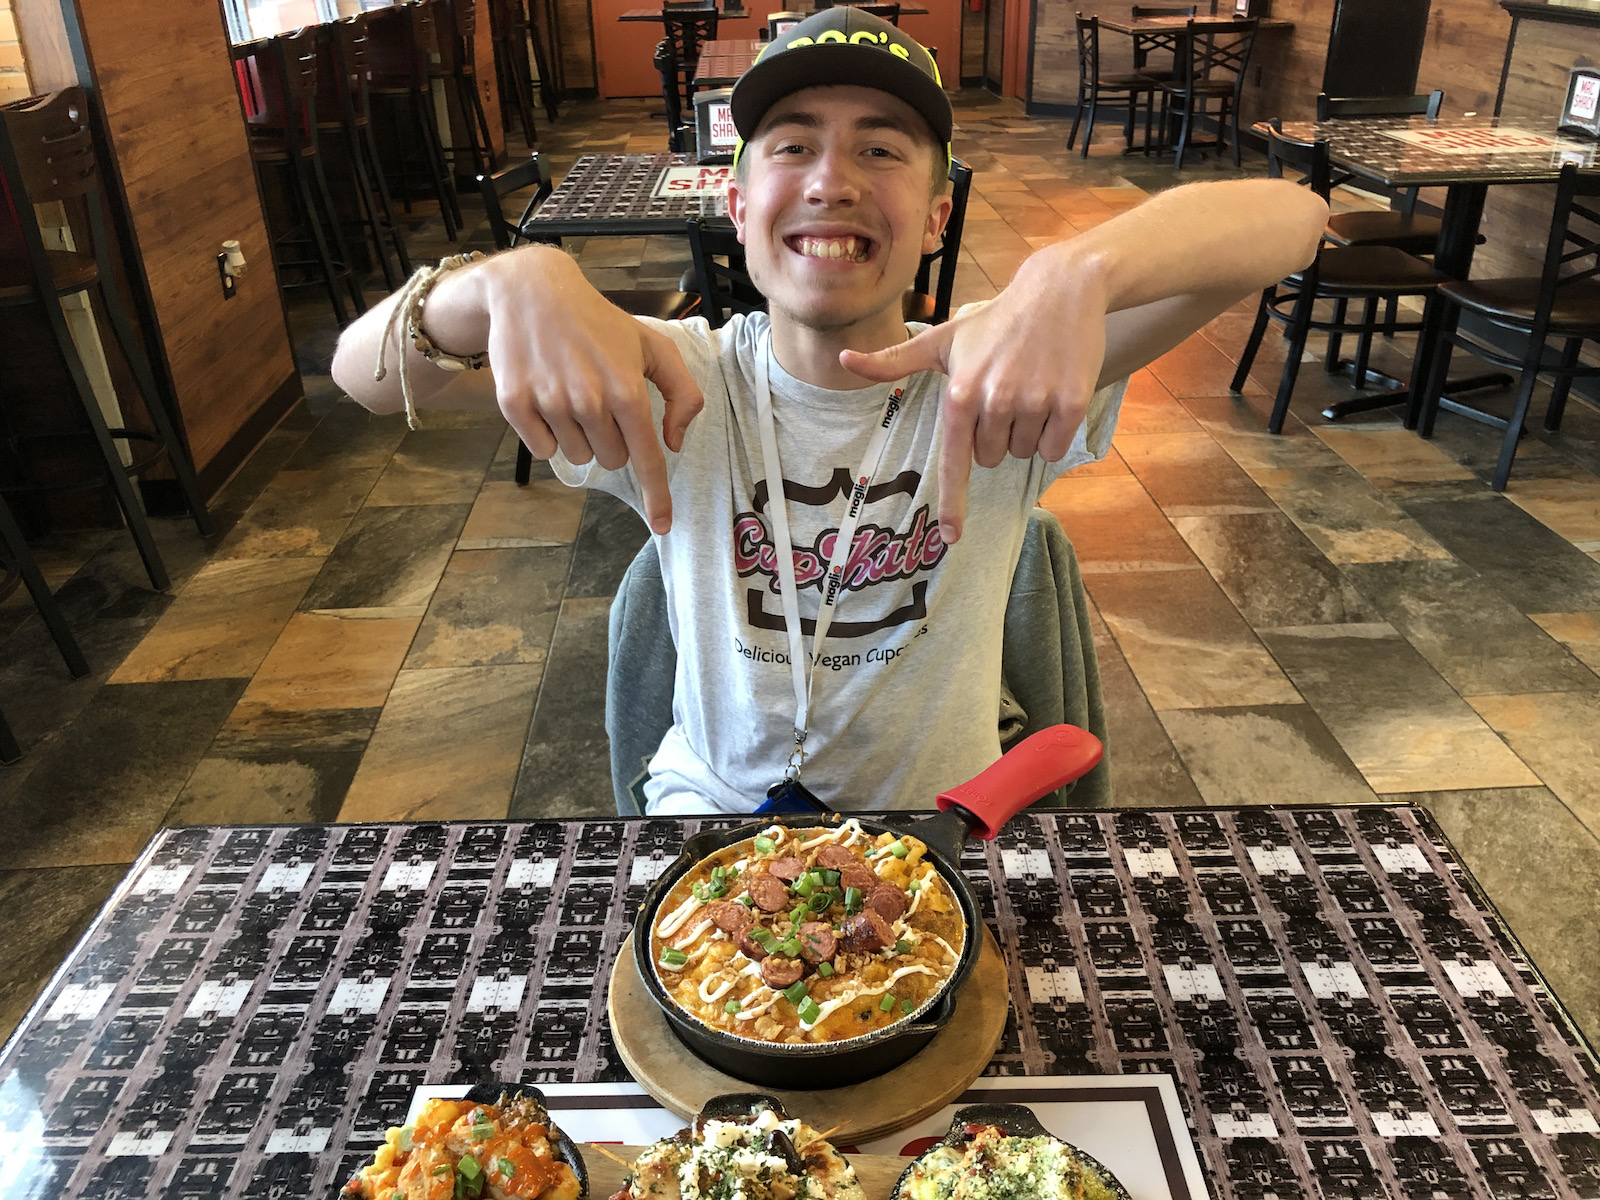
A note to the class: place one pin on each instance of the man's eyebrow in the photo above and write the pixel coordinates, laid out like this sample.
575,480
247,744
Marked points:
888,121
795,116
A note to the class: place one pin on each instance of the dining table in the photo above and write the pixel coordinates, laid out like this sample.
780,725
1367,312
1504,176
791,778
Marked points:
631,195
1466,156
730,14
724,60
1324,995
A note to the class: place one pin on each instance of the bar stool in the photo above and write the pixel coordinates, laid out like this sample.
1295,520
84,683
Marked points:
508,22
399,42
342,88
457,24
285,136
689,26
18,566
47,155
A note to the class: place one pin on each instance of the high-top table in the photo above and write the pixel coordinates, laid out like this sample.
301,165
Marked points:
1342,1011
723,61
1465,155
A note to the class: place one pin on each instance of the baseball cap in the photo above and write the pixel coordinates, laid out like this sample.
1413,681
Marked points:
842,45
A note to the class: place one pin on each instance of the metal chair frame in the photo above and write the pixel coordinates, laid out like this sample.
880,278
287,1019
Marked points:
1221,46
1120,89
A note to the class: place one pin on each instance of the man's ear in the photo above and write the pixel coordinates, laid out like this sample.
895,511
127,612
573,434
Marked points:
938,217
736,207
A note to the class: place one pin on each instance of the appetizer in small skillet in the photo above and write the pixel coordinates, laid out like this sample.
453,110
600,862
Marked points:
808,935
758,1153
459,1150
1002,1152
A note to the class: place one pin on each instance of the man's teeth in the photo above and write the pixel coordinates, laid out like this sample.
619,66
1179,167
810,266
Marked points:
852,248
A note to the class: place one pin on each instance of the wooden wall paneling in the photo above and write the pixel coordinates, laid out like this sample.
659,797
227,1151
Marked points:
576,39
166,89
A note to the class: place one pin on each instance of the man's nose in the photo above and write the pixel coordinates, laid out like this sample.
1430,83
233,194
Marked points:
836,179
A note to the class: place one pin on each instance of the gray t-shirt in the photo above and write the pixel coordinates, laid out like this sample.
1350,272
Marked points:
906,695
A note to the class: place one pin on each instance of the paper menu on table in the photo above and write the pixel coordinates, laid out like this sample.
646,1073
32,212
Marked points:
1132,1123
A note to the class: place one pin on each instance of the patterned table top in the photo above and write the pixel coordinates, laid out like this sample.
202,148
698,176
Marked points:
614,194
1145,25
723,61
1404,152
1343,1014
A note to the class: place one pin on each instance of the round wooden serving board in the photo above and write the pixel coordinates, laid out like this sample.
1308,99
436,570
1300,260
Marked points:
924,1084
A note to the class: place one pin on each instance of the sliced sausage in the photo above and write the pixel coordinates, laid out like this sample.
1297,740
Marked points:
817,943
778,972
858,876
789,868
866,931
749,947
836,857
770,894
888,901
729,916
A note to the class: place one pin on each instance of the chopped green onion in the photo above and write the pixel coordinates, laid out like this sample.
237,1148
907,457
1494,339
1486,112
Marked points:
795,992
482,1131
507,1167
763,938
831,878
886,1003
791,948
441,1170
852,900
731,1007
906,1006
821,901
899,849
747,901
764,845
673,958
717,891
701,892
806,884
902,946
405,1139
809,1011
733,873
914,886
469,1167
797,912
718,874
824,969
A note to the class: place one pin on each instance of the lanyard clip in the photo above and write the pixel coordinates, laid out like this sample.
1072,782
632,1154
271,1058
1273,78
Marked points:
797,756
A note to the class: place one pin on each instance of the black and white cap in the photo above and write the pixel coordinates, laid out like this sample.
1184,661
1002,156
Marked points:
842,45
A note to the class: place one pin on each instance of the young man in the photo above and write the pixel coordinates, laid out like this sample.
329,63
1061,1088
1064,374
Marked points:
875,666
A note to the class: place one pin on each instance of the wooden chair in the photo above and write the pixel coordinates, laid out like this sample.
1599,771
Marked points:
689,27
344,110
47,156
1339,273
929,300
1146,43
399,41
1095,88
286,137
1211,66
534,173
1562,301
456,22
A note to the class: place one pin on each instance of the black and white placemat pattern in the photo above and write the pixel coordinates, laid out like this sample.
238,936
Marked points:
1343,1015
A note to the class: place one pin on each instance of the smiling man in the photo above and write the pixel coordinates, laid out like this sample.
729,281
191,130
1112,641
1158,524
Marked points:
838,499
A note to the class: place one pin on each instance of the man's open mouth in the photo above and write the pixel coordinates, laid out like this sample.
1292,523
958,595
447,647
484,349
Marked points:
851,249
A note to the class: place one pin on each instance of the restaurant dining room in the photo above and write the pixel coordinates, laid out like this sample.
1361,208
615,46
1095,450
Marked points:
391,812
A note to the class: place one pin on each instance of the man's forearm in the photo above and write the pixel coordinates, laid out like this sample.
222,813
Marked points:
1231,237
456,318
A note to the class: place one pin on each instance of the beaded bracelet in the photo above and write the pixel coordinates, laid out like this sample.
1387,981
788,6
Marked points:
413,295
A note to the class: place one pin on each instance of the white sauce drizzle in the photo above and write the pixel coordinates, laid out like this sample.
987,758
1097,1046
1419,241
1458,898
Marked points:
750,1014
723,990
688,960
916,896
675,919
690,939
948,949
832,1006
852,827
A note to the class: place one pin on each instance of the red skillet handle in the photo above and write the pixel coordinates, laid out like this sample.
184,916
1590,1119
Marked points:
1034,767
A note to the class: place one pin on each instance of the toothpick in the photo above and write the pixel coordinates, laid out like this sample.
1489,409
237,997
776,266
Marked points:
616,1158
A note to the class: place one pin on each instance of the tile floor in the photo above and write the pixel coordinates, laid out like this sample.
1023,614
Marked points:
387,628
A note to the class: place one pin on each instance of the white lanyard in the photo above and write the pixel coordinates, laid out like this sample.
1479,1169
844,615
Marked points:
805,680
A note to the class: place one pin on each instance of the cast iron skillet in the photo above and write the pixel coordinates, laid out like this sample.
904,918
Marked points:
737,1106
1017,1120
565,1148
1033,768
